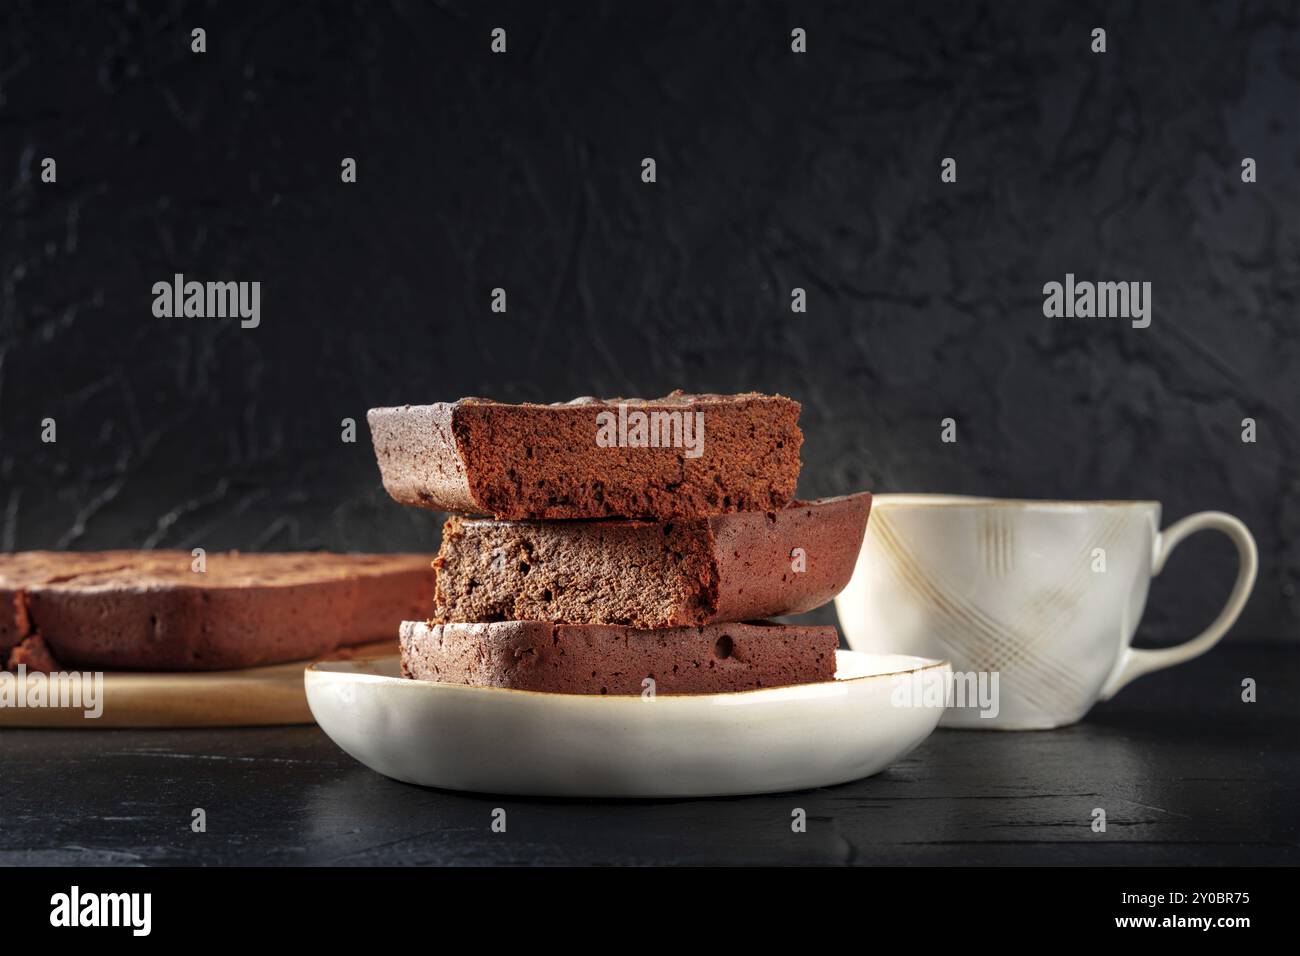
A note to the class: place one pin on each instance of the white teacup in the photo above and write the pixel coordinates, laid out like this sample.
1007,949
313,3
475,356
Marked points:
1046,595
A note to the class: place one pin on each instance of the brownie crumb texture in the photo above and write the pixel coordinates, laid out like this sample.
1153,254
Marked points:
641,574
613,660
745,566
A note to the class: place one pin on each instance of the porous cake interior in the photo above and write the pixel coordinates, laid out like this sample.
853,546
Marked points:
642,574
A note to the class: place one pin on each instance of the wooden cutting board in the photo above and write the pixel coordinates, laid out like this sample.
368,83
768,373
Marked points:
256,696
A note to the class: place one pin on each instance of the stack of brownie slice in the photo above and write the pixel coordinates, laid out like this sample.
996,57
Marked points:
610,547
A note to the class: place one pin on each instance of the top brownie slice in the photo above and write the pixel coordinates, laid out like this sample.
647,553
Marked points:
681,455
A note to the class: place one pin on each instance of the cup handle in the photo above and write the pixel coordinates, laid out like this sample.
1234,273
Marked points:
1133,662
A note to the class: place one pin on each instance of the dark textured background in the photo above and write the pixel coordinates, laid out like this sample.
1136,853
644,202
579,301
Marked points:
775,170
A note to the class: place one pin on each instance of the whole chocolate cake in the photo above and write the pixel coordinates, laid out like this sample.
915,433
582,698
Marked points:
150,610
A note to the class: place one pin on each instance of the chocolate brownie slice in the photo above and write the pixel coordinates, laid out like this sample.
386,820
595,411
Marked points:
681,455
607,659
734,567
148,610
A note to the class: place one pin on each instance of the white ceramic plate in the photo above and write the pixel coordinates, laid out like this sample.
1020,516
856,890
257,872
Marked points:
519,742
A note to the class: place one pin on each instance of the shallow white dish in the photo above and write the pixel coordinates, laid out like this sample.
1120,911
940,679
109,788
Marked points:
491,740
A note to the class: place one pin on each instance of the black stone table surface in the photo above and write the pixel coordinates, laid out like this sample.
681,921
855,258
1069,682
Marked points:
1186,772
